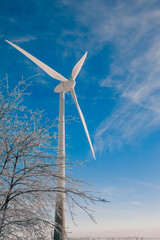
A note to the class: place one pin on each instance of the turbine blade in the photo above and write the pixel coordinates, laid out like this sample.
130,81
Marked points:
46,68
78,66
83,121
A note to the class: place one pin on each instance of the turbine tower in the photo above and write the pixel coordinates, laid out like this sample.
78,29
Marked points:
65,86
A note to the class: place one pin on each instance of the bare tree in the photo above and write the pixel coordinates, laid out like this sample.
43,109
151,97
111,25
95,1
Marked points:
28,170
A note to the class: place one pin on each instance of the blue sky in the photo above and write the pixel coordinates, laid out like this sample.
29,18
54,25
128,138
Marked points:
118,90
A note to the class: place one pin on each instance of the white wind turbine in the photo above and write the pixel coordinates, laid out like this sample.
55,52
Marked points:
65,86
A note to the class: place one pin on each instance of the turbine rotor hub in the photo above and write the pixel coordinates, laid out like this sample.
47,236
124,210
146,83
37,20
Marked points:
65,86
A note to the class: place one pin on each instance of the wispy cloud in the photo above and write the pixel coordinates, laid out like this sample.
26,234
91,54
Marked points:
42,81
142,183
136,203
127,122
23,39
134,75
113,191
132,29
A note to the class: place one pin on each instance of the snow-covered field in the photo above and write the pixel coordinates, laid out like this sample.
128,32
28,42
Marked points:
114,238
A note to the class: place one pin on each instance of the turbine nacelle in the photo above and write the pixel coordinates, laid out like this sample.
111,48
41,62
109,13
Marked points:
65,86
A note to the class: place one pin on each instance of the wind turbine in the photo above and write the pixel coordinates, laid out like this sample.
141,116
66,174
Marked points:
65,86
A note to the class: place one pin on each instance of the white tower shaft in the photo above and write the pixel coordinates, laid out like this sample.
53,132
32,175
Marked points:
59,231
